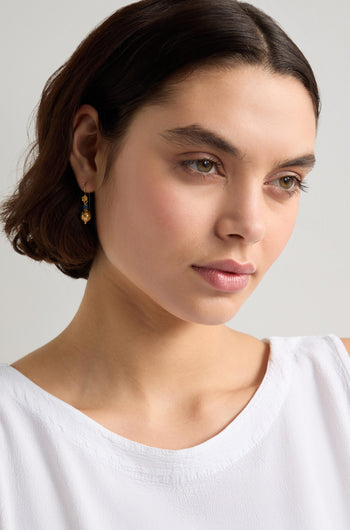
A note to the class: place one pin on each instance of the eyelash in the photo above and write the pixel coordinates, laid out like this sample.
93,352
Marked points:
300,184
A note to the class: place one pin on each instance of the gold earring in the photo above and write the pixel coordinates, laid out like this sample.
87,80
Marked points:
85,214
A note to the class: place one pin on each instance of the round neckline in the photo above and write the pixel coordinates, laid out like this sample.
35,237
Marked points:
225,448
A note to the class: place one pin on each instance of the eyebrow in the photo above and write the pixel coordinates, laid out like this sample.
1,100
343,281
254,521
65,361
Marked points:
195,134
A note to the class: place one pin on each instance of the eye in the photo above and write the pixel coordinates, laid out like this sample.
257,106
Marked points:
289,183
203,165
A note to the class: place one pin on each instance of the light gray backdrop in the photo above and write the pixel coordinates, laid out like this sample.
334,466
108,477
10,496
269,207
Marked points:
306,291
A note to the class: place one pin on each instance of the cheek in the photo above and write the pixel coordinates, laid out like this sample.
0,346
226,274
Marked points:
173,215
279,232
145,216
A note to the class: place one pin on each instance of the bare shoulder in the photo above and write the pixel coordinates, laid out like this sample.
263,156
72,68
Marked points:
346,343
46,367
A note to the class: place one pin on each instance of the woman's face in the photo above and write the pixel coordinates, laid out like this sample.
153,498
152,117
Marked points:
212,174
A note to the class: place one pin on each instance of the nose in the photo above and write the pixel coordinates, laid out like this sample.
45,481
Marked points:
243,214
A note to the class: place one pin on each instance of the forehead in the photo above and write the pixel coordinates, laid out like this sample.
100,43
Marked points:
243,88
245,104
252,85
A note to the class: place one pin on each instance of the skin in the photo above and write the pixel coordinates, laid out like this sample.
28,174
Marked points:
148,354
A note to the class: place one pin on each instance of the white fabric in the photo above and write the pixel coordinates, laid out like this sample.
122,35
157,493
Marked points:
282,464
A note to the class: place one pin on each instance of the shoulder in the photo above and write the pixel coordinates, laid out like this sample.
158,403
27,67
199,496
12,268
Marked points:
346,343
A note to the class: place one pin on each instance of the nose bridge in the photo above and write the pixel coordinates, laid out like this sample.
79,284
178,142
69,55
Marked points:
244,212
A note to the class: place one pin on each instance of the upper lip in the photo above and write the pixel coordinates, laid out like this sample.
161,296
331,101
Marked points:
230,265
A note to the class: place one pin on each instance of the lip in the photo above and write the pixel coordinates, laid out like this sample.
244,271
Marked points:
229,265
226,275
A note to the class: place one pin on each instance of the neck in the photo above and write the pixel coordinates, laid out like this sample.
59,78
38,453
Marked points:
124,344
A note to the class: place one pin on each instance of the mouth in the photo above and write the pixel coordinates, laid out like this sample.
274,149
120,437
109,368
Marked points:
223,280
229,265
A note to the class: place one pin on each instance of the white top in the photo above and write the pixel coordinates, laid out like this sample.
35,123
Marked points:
282,464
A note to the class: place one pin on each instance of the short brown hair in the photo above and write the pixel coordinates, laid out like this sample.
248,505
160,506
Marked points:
124,63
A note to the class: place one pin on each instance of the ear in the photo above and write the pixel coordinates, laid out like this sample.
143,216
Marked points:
86,143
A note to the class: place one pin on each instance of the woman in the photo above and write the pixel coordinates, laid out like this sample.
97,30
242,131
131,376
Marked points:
170,161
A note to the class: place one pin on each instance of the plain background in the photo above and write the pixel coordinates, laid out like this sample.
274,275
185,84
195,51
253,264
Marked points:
305,293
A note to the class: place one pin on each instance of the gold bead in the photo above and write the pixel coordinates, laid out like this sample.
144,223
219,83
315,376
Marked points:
84,198
85,216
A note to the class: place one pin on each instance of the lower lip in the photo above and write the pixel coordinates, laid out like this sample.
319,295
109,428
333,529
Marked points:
223,281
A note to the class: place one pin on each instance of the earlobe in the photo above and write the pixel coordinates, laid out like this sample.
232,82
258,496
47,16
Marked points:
86,140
